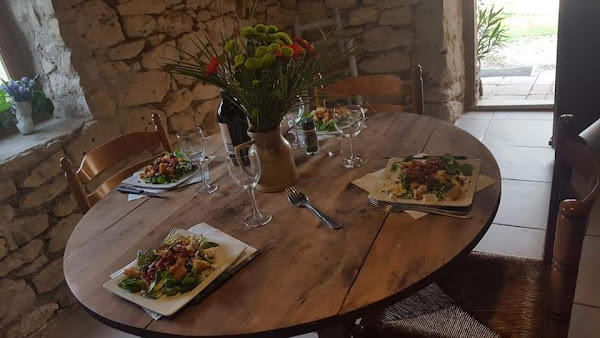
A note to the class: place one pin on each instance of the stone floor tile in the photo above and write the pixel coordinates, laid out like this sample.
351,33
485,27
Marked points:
524,163
518,80
513,241
589,275
475,127
479,115
526,133
524,204
513,89
524,115
585,322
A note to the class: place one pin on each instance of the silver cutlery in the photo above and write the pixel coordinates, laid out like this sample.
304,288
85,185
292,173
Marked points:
300,200
396,208
131,190
456,157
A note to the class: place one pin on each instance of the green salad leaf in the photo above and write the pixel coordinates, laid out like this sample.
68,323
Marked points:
132,285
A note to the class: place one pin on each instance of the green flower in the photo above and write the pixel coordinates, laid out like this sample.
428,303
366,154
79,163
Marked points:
272,36
277,41
239,58
229,46
255,82
287,51
272,29
285,38
273,47
261,28
260,51
248,31
253,63
268,58
261,36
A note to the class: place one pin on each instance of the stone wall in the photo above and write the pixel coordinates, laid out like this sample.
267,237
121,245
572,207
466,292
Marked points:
394,34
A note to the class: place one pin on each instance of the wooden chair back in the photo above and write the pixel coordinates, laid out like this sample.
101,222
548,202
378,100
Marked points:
107,155
380,85
567,223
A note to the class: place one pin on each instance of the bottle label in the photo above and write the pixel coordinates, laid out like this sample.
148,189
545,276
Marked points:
226,137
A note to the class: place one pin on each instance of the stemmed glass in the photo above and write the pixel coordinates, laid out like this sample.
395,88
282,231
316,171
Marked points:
292,118
245,171
193,144
348,121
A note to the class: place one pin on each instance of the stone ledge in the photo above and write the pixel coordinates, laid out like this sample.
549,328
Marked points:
46,133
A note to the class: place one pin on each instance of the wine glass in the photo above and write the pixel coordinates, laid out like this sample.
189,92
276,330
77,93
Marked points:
245,171
294,115
193,145
348,121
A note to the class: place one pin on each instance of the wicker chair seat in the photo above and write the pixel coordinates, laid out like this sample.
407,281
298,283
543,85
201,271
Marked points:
485,295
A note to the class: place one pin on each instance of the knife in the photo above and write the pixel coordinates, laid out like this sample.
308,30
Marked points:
456,157
130,190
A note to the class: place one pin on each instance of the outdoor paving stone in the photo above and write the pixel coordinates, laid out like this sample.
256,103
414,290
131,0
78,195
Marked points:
540,89
488,89
546,77
518,80
550,97
515,89
493,80
536,97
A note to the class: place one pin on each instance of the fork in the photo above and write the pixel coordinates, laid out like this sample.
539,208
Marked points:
400,208
300,200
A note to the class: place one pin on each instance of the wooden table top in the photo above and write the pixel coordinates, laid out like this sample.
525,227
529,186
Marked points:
307,276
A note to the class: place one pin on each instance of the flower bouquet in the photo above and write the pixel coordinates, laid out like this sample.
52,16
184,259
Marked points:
20,97
266,72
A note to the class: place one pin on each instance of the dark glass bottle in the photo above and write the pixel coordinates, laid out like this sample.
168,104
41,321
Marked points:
232,122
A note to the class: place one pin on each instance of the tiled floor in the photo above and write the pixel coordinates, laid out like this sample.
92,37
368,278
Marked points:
536,89
519,141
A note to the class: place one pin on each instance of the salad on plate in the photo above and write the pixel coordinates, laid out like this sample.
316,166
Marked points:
167,168
174,267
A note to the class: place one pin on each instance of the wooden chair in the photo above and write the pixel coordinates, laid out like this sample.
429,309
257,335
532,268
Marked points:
411,92
488,295
108,154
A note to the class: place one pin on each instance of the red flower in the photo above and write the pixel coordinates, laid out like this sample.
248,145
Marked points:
211,69
298,51
278,54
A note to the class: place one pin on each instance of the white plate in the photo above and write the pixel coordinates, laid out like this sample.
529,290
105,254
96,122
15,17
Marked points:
229,250
466,201
136,181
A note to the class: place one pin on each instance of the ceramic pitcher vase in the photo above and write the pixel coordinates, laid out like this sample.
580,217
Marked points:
278,169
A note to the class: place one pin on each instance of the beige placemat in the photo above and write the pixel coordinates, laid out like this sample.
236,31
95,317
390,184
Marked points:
367,183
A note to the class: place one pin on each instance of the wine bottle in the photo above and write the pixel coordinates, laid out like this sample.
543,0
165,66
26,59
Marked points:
232,122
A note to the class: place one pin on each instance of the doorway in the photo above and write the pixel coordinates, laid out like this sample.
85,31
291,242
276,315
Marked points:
515,51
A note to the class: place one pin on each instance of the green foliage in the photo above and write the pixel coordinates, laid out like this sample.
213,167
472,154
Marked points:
40,104
491,31
4,101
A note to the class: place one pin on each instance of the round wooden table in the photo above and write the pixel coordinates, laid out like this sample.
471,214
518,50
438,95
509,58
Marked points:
308,277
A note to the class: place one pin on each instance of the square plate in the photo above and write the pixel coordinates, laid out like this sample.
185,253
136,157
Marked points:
229,251
136,181
466,201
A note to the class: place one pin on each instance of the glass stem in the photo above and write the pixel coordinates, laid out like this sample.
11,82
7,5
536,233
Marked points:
253,198
203,182
352,155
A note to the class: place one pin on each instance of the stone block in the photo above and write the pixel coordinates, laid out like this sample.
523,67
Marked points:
398,16
44,172
7,213
7,189
159,56
16,297
182,121
155,39
27,160
174,23
382,63
60,233
23,255
225,25
32,321
396,3
64,4
221,7
362,15
139,26
92,135
95,24
203,16
126,51
203,91
178,101
187,44
383,38
32,267
44,193
138,119
135,7
102,104
171,3
207,108
196,4
341,4
3,247
64,296
98,70
147,87
64,205
24,229
49,277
